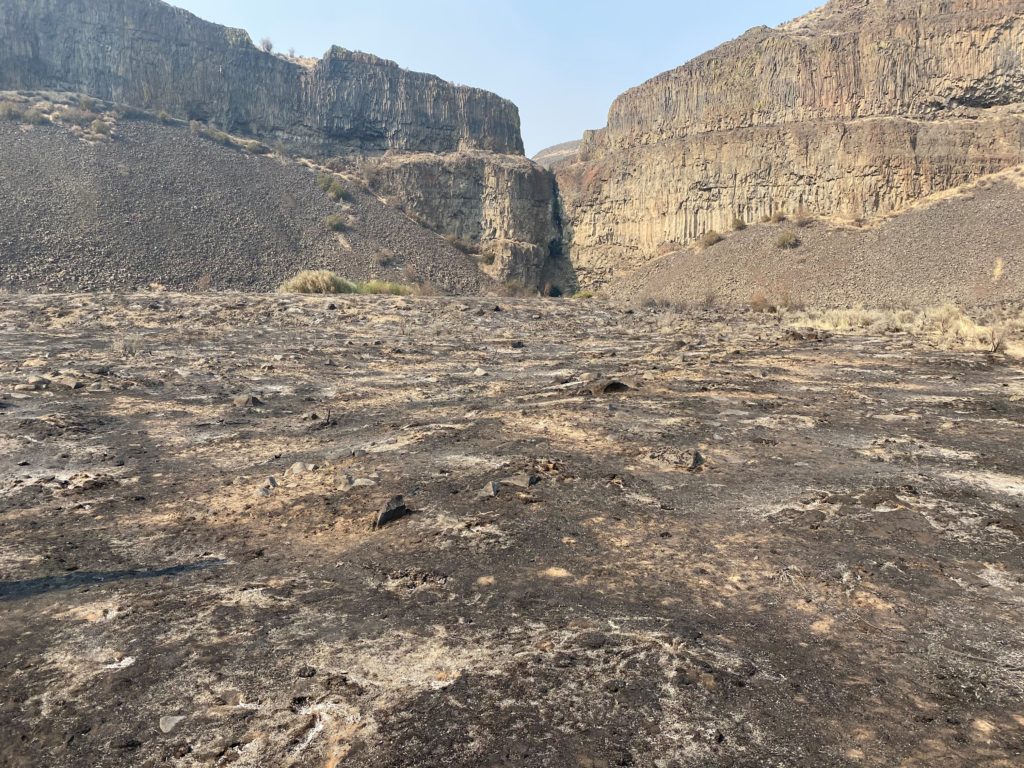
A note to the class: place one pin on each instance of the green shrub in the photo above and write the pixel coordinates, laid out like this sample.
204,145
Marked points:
710,238
787,241
339,222
317,281
384,287
339,192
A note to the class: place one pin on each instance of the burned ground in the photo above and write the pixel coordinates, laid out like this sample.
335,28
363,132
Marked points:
748,550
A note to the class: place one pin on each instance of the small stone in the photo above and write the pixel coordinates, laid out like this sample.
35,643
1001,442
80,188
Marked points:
297,468
37,382
168,722
479,373
247,401
69,382
395,509
525,480
490,490
694,461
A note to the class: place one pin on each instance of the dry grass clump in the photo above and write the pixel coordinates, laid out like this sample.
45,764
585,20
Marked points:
20,113
760,303
787,241
324,281
738,224
100,128
11,110
947,325
79,117
317,281
710,238
225,139
777,218
803,218
385,287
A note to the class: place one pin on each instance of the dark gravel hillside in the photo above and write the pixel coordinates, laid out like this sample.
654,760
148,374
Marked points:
160,204
964,249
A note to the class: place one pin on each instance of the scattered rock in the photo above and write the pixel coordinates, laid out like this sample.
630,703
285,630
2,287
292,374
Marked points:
347,483
525,481
247,401
479,373
69,382
611,387
395,509
490,490
693,460
168,722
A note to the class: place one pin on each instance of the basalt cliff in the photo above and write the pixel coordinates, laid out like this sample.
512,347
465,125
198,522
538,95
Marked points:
354,108
857,109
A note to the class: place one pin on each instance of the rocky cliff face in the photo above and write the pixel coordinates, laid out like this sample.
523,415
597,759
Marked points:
154,56
150,55
507,204
859,107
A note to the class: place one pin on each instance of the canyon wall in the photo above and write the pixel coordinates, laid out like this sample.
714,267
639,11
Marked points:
857,108
152,56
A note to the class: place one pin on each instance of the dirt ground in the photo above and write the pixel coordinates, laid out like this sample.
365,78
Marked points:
629,538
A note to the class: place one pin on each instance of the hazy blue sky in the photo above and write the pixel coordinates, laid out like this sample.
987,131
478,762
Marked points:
562,63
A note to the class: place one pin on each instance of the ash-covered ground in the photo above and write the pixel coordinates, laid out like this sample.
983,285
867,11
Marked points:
628,539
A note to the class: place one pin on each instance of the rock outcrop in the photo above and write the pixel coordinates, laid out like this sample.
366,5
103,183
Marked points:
152,56
508,204
858,108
